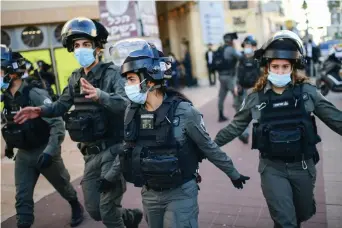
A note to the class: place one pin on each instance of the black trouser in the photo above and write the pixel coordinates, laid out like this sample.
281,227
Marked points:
211,75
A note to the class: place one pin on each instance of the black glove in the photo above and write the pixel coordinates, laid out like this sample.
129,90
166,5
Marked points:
104,185
44,161
9,153
238,183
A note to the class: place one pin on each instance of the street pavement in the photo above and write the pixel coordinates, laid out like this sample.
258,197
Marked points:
221,205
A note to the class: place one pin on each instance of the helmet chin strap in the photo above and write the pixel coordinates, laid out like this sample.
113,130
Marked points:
143,84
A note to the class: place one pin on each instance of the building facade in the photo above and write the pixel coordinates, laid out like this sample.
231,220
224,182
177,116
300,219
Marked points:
33,28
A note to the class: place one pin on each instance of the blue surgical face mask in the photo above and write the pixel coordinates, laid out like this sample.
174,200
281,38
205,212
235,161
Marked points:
84,56
248,51
279,80
4,85
133,92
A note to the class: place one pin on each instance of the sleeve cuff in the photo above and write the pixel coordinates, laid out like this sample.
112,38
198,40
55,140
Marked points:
50,150
234,175
103,96
44,110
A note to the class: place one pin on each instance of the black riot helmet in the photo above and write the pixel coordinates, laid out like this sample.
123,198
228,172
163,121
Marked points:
12,62
143,58
229,37
81,27
282,45
249,40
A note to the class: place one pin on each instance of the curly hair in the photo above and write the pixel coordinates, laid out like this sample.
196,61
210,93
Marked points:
298,77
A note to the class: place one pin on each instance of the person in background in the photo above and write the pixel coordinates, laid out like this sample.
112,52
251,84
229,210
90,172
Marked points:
312,57
175,69
189,79
209,55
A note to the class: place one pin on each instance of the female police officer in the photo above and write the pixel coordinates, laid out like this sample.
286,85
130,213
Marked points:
165,139
285,132
39,143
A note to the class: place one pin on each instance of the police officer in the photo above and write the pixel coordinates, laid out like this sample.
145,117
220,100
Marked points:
165,140
35,78
48,78
45,73
285,132
39,143
96,123
247,72
225,60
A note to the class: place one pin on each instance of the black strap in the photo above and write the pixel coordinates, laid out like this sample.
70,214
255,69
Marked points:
136,162
165,111
25,98
100,77
297,91
131,112
97,147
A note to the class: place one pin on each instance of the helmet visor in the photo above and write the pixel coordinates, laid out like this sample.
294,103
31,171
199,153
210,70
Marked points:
79,25
130,47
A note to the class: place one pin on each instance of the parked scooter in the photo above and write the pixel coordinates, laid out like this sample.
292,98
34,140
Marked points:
331,72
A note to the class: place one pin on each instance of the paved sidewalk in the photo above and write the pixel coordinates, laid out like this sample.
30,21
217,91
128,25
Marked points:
221,205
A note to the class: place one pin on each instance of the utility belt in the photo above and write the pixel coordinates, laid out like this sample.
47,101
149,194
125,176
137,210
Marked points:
156,189
97,147
86,125
227,73
293,159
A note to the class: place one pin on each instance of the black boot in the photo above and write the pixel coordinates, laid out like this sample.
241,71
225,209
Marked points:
132,218
222,118
76,213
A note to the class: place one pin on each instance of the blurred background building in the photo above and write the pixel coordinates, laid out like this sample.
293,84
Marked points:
33,27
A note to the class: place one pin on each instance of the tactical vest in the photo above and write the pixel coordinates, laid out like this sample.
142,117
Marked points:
90,121
29,135
248,72
286,131
223,64
153,157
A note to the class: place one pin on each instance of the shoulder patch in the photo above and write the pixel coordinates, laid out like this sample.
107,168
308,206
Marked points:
176,121
47,101
305,96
